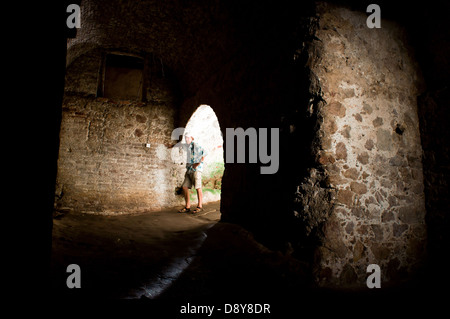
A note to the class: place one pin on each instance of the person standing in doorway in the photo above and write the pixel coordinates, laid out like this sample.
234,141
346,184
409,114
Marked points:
193,177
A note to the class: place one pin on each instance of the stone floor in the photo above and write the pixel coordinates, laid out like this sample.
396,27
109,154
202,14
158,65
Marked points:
126,256
166,256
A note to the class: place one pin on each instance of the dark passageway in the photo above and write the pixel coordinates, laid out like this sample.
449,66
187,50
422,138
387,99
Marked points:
357,138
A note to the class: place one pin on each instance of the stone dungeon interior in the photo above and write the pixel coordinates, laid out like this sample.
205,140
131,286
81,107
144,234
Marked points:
362,116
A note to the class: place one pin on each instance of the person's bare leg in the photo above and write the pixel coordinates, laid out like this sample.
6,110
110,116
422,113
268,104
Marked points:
200,197
186,197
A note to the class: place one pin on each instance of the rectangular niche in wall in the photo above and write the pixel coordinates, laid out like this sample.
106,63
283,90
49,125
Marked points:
122,77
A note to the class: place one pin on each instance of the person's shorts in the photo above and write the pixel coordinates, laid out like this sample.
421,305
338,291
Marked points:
192,178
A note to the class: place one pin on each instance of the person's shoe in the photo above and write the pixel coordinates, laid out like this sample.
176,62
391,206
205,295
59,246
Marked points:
197,210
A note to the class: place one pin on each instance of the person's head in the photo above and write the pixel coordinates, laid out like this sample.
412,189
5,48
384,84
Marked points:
188,138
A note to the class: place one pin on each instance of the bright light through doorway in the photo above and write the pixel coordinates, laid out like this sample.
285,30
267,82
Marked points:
204,126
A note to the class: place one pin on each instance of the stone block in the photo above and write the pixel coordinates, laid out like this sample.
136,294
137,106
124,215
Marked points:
363,158
351,173
337,109
377,122
384,140
387,216
358,188
345,197
358,251
341,151
369,144
377,230
329,126
380,251
399,229
358,117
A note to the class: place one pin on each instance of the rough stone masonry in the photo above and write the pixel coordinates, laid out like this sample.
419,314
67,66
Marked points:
368,149
362,197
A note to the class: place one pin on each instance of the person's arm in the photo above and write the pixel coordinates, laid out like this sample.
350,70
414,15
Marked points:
197,164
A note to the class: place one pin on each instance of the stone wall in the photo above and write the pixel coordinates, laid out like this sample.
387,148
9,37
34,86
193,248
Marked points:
104,162
367,148
349,190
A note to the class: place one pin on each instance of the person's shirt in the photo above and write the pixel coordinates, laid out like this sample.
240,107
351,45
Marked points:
195,154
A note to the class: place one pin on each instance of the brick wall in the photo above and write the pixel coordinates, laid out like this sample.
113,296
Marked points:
104,164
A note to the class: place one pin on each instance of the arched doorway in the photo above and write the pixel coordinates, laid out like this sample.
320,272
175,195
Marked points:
204,125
